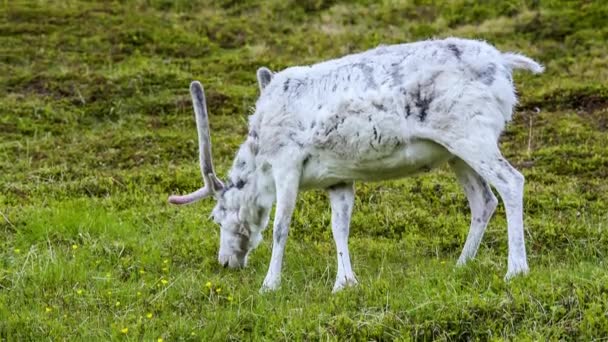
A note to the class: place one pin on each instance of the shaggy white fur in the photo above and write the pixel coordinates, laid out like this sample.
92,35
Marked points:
386,113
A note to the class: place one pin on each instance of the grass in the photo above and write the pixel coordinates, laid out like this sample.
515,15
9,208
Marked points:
96,130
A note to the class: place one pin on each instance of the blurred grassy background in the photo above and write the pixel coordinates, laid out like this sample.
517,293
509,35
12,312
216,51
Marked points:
96,130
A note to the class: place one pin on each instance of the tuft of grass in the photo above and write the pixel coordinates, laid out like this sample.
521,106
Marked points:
96,130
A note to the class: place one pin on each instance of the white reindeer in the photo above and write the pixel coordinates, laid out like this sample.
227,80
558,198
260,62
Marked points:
386,113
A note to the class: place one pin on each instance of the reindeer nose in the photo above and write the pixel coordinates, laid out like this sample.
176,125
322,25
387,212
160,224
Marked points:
224,260
228,261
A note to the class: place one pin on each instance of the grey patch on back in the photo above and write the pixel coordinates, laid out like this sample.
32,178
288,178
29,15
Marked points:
294,86
368,73
455,50
418,100
396,75
347,72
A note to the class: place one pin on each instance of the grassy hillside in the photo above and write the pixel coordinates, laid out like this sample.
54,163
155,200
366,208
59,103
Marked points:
96,129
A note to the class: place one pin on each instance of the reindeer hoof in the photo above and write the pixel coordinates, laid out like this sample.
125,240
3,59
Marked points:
269,286
343,282
516,270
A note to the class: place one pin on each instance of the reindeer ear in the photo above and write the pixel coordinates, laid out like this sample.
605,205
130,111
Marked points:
264,77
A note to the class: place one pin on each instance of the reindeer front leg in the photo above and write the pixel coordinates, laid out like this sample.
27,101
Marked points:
342,198
287,181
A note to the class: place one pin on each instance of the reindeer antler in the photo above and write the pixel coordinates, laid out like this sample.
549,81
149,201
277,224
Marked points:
211,183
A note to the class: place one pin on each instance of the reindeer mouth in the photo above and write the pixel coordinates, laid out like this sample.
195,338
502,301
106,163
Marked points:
232,261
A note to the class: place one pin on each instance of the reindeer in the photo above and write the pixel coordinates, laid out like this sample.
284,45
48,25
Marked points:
386,113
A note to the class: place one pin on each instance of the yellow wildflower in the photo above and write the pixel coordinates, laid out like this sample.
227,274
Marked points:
47,309
124,330
208,284
138,293
166,261
74,247
149,315
142,272
160,339
164,281
230,299
117,303
79,291
218,290
17,250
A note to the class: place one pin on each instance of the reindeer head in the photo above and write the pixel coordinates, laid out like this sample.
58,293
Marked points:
236,211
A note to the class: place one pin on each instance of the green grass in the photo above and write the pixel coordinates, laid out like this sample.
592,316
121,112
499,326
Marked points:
96,129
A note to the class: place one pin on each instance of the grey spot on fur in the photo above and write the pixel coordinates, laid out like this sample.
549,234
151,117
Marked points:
408,110
294,86
487,195
396,75
379,106
292,137
422,103
488,74
306,160
260,215
265,167
239,184
501,177
279,234
368,73
455,50
508,75
254,148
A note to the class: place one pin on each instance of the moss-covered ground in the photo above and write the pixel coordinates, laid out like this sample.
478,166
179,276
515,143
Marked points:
96,129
